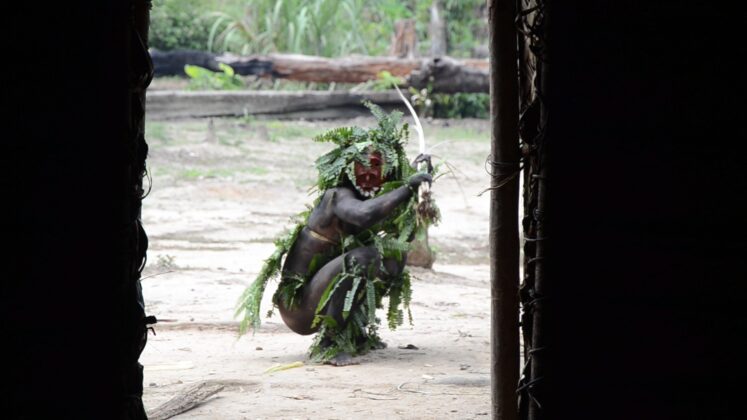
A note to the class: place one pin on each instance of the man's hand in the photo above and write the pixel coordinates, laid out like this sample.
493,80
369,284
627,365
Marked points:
423,157
417,179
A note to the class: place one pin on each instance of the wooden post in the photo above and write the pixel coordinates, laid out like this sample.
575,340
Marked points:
437,30
404,40
504,203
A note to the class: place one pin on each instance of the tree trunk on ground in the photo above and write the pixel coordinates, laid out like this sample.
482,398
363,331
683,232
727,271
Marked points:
171,63
449,74
319,69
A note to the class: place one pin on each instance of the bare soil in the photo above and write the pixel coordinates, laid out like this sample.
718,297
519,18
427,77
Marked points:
221,192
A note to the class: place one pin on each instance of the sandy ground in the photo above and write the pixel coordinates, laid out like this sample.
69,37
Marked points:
221,191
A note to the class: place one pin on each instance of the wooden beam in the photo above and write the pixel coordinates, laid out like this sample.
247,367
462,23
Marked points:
504,204
164,105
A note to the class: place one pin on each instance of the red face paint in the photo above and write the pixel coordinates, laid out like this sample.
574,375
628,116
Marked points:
368,180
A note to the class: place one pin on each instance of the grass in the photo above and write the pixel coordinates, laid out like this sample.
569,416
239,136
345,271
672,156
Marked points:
458,134
206,173
194,173
230,141
237,131
257,170
289,130
157,131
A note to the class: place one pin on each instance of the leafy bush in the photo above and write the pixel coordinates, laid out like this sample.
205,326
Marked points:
179,24
454,105
461,105
204,79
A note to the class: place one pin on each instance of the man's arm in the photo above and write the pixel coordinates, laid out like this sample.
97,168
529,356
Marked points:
366,213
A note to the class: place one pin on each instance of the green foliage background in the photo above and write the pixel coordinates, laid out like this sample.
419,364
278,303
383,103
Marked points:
317,27
180,24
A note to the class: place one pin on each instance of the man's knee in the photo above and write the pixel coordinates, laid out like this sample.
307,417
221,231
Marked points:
394,267
364,257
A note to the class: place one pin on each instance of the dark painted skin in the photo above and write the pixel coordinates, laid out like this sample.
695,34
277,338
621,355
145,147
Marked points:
341,211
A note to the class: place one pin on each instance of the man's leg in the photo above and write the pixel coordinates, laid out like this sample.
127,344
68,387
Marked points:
366,260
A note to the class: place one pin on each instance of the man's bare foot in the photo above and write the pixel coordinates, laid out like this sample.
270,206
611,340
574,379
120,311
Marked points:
342,359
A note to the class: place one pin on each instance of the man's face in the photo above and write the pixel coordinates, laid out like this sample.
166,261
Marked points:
368,179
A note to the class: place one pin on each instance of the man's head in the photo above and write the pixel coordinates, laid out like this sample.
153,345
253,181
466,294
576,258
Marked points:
369,175
365,159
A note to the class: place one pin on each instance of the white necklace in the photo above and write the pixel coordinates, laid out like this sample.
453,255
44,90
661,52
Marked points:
367,194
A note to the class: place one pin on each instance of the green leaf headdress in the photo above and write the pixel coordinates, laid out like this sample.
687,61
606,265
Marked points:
354,144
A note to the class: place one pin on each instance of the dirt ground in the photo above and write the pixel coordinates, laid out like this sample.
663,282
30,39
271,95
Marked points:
222,190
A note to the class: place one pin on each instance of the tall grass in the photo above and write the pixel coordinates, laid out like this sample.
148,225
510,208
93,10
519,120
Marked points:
316,27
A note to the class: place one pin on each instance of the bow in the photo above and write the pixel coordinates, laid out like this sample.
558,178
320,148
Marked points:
424,188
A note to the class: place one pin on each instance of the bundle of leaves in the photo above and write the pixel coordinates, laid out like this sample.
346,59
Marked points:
391,238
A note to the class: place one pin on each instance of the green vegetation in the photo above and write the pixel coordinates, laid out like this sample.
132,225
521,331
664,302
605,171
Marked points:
196,173
201,78
157,131
294,26
384,81
258,170
461,105
180,24
466,25
205,173
459,134
317,27
286,130
456,105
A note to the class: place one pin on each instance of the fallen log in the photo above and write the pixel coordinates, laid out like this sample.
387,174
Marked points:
444,73
308,68
171,63
164,105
